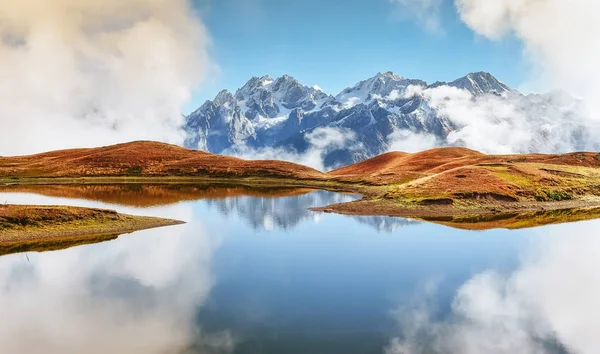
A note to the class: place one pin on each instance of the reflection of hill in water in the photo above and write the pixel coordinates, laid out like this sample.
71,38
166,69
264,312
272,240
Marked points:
150,195
263,208
267,213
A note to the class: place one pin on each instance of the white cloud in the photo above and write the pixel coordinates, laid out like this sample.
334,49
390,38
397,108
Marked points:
408,141
559,38
426,12
137,294
83,72
552,298
558,35
510,124
394,95
320,141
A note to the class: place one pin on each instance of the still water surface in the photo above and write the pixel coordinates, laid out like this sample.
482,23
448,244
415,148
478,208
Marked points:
263,274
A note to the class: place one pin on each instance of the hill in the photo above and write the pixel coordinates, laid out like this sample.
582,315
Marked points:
456,181
26,228
433,183
145,159
397,167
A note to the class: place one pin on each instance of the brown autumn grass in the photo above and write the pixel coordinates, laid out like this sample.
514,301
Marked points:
513,221
26,227
458,174
146,195
437,182
145,158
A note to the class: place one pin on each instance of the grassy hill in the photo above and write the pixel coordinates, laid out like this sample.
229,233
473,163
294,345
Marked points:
433,183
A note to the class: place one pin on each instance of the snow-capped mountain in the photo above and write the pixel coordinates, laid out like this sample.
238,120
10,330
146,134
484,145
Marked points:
281,113
261,113
479,84
383,86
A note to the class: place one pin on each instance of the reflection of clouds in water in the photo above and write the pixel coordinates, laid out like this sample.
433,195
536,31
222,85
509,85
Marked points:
138,294
550,304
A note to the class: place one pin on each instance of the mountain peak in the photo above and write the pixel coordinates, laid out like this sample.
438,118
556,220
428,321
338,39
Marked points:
384,85
285,82
480,83
255,83
481,74
389,75
223,97
287,77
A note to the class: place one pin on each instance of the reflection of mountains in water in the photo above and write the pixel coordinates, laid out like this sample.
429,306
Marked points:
263,208
267,213
385,223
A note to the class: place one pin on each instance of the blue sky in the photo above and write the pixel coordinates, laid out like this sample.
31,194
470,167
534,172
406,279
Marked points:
336,43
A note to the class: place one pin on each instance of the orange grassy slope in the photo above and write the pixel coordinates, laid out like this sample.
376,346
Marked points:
146,159
459,173
455,173
398,167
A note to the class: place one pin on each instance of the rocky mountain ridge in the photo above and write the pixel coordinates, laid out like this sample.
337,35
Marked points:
370,117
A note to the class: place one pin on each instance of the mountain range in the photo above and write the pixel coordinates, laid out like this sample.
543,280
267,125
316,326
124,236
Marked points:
371,116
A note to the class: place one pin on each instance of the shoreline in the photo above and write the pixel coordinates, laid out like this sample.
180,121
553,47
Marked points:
471,216
432,184
462,213
41,228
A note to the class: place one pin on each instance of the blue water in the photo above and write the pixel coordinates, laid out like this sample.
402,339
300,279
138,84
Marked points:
266,275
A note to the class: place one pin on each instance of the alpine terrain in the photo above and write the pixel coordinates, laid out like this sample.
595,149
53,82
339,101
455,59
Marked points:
374,115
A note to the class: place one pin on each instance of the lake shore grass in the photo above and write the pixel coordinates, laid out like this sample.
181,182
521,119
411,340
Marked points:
437,183
39,228
473,214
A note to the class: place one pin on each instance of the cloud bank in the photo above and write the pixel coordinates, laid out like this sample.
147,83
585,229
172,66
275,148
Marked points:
137,294
559,36
549,304
411,142
85,73
511,123
560,43
320,142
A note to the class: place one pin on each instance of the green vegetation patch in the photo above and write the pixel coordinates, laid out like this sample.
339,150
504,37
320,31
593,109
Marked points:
558,195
